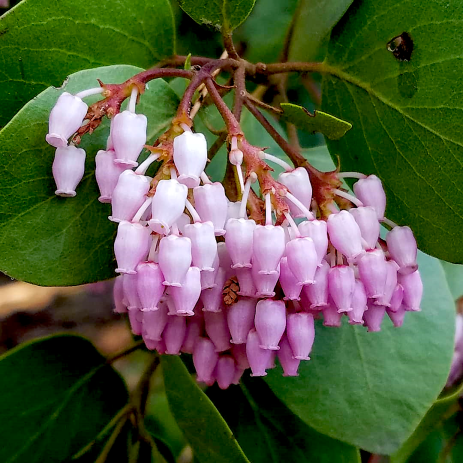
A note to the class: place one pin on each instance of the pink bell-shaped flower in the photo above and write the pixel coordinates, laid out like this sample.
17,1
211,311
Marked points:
225,259
246,282
149,285
268,248
225,371
129,287
239,354
371,192
373,317
208,278
345,234
107,174
270,323
212,298
128,195
65,118
258,358
359,304
239,241
397,298
190,157
154,322
300,332
298,183
217,330
264,283
289,282
131,246
203,244
341,284
367,220
194,329
68,169
128,136
240,319
373,272
168,205
318,291
136,321
397,317
212,204
174,334
317,230
205,359
331,315
413,290
391,284
174,259
401,245
186,296
118,296
302,259
289,364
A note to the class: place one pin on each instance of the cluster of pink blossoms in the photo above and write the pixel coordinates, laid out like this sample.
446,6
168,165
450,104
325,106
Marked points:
180,242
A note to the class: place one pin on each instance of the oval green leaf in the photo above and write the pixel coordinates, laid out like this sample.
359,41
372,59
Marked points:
224,15
406,115
372,389
43,41
58,394
53,241
207,432
330,126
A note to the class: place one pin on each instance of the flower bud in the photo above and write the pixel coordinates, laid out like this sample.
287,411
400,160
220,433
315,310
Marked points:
190,157
66,117
345,234
131,246
371,192
128,136
270,322
168,205
212,205
68,170
401,245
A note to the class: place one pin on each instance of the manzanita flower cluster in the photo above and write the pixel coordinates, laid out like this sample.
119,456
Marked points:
198,275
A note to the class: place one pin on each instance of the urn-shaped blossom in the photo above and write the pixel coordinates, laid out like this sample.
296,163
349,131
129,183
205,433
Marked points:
107,174
154,322
212,205
128,136
367,220
318,291
373,272
174,259
401,245
190,157
317,230
270,323
345,234
225,371
288,362
300,332
268,248
217,330
128,195
186,296
68,170
65,118
298,183
257,357
371,192
131,246
341,284
359,304
413,290
203,244
302,259
168,205
289,282
239,241
149,285
174,334
240,319
205,359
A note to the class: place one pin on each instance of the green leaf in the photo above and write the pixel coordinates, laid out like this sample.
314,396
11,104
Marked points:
208,434
42,41
454,274
53,241
224,15
372,389
269,432
313,21
57,393
328,125
406,115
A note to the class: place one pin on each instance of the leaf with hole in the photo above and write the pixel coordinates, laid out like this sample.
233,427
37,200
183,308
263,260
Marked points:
53,241
406,115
